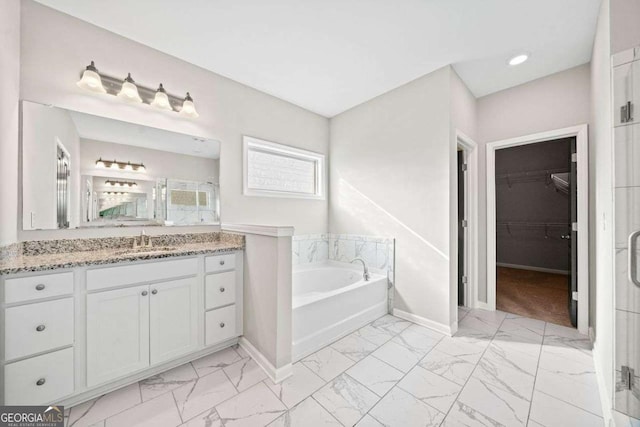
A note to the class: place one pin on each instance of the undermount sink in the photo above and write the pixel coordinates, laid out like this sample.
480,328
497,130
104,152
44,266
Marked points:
146,250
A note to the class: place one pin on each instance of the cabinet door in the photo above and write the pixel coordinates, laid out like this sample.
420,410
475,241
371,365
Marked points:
626,94
117,333
174,319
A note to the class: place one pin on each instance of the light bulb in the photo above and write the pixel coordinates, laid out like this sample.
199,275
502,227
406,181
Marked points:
141,168
100,163
114,165
91,80
161,100
188,108
128,167
129,91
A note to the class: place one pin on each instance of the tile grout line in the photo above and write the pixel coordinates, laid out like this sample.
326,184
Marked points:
397,382
535,378
474,370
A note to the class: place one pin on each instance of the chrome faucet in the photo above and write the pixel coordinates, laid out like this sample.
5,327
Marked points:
366,274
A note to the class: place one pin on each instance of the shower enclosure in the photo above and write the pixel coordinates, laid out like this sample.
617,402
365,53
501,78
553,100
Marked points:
626,99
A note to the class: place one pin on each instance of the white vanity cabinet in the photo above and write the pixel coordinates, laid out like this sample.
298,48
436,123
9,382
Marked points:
92,329
117,333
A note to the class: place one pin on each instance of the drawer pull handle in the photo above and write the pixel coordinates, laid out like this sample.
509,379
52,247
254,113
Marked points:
222,289
41,381
39,287
222,324
145,293
155,291
40,328
221,262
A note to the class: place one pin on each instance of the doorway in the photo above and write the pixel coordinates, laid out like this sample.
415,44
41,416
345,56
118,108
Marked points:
466,228
537,226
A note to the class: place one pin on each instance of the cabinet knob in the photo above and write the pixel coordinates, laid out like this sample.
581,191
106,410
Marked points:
41,381
155,291
222,324
222,289
40,328
221,262
145,293
39,287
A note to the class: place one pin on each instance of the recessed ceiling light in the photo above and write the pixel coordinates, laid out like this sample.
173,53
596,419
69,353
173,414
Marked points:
519,59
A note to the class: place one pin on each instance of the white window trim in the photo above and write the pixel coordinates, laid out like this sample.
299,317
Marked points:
250,142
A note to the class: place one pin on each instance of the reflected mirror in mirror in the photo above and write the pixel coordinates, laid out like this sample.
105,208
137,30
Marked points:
80,170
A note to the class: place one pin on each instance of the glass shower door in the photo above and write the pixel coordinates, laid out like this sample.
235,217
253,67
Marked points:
627,236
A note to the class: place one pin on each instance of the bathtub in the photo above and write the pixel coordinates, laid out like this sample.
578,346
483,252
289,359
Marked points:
331,301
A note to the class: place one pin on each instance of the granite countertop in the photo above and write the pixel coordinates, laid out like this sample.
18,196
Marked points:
56,254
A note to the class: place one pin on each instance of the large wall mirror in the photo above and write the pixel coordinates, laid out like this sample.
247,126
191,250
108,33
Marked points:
80,170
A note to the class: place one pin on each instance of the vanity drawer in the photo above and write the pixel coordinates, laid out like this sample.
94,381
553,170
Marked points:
220,263
220,289
39,380
220,324
35,287
34,328
104,278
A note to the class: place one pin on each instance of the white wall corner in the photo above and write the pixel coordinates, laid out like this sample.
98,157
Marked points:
422,321
605,399
277,375
261,230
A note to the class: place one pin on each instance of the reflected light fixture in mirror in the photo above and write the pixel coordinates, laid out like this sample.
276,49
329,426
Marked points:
91,80
126,166
189,108
129,91
161,100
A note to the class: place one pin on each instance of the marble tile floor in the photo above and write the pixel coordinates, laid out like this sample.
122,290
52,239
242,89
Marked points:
498,370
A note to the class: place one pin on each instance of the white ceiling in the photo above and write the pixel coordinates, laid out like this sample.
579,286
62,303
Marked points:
330,55
117,132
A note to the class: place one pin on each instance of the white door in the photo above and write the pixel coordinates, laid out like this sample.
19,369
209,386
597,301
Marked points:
174,319
117,333
626,94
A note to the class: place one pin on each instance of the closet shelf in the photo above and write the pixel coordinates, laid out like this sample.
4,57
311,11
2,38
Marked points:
542,175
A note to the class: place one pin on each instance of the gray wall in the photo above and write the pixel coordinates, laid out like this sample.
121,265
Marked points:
390,177
601,211
9,93
625,25
533,202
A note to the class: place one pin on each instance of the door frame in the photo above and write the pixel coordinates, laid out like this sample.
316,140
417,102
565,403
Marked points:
469,147
580,132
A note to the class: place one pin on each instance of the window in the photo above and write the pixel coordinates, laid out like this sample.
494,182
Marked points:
276,170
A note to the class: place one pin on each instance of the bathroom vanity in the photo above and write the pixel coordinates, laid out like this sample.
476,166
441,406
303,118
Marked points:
79,323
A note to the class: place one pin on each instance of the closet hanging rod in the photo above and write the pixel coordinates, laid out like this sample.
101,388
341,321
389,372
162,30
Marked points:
532,224
531,173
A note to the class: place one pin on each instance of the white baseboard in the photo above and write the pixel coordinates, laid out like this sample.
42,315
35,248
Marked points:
607,412
527,267
277,375
436,326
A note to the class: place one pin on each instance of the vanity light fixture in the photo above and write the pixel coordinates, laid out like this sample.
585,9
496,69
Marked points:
126,166
188,108
91,80
128,90
161,99
113,183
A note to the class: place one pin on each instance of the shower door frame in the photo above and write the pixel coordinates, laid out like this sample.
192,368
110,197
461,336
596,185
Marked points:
580,132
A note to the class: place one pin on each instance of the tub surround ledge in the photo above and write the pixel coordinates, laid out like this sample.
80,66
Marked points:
46,255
